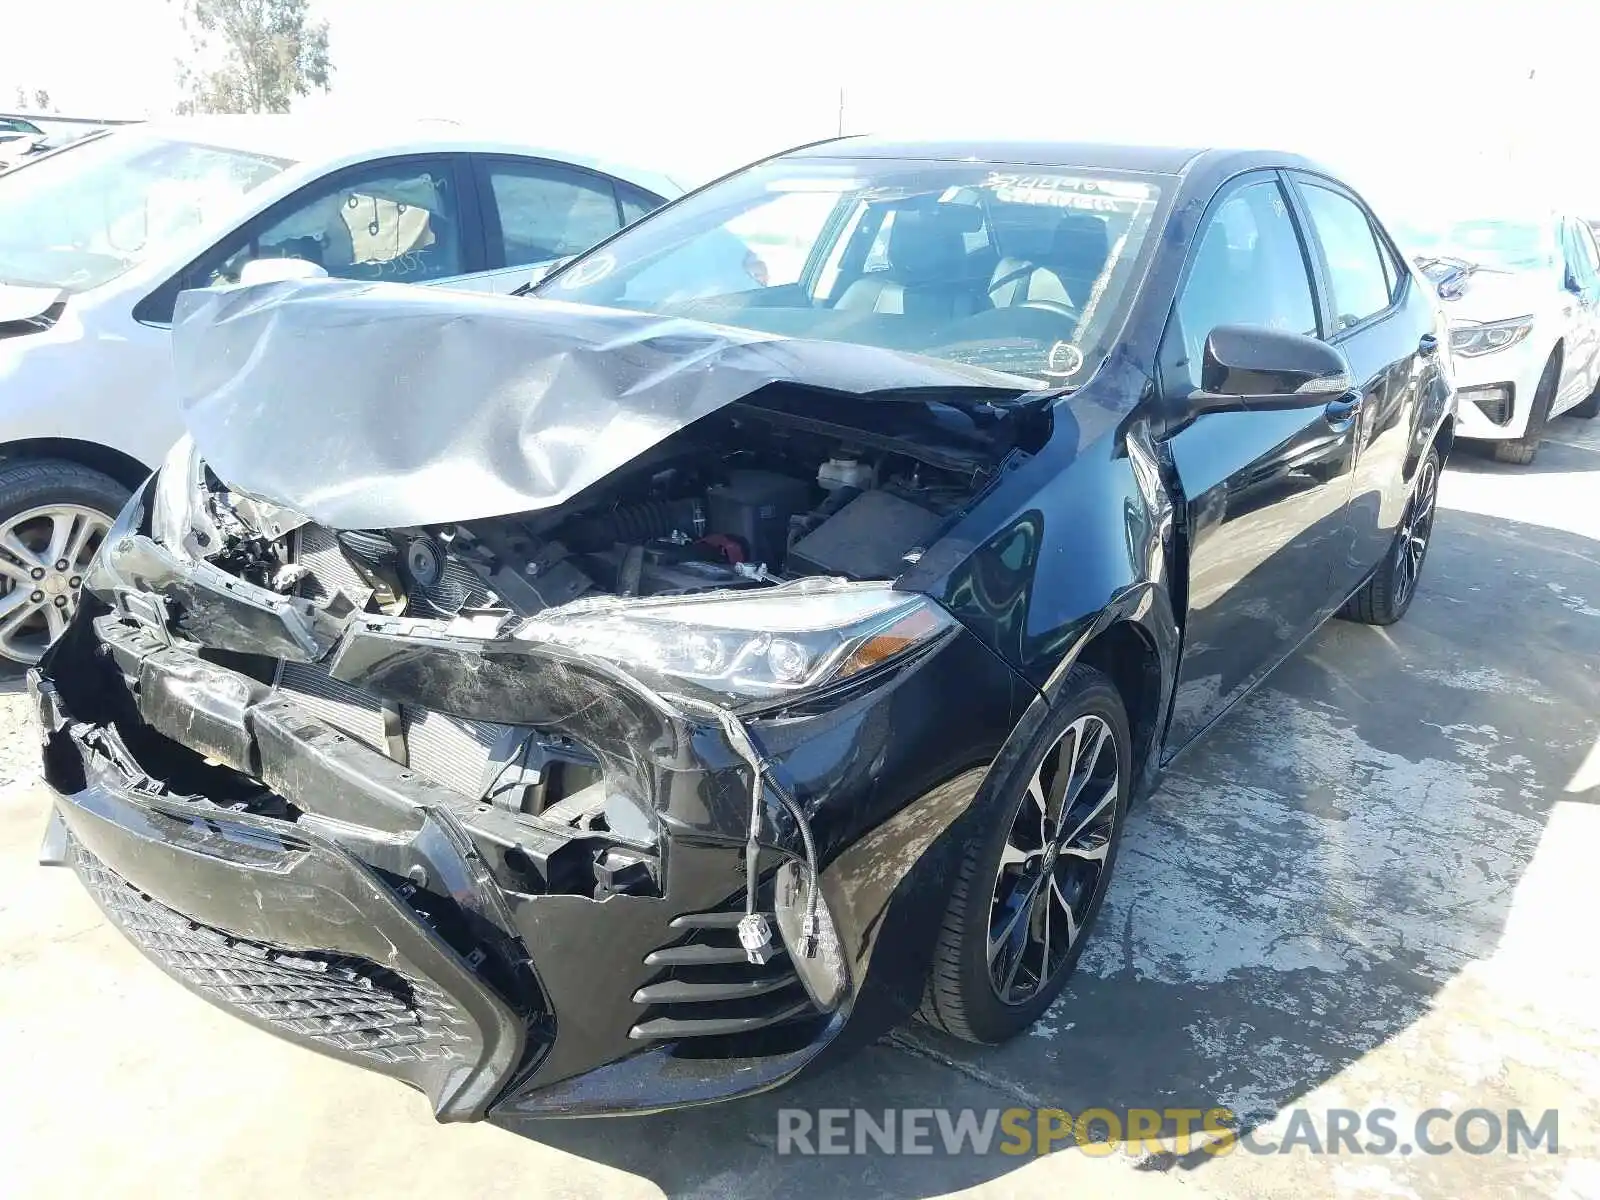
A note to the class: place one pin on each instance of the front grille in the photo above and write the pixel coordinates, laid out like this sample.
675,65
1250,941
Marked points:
706,988
345,1004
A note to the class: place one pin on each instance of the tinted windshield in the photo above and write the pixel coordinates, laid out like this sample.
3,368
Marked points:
83,216
1509,245
1021,269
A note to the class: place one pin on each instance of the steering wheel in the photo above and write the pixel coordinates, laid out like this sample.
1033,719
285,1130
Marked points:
1060,308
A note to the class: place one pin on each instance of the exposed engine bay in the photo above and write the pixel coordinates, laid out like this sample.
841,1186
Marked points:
742,499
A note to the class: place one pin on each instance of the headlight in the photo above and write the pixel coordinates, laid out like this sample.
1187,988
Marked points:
1473,340
749,646
178,491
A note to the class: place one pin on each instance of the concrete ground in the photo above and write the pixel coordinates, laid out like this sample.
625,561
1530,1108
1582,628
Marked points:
1375,886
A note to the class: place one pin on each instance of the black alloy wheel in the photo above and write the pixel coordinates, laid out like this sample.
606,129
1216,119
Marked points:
1031,883
1052,860
1386,596
1411,544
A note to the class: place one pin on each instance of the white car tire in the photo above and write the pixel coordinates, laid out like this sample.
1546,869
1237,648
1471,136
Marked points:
45,506
1521,451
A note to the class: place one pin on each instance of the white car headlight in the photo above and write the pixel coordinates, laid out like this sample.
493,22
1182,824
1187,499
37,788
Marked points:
747,647
1488,337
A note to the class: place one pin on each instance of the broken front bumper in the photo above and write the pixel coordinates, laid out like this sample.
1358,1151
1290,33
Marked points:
316,887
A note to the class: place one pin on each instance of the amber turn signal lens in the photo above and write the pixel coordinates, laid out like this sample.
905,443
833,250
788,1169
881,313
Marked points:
905,633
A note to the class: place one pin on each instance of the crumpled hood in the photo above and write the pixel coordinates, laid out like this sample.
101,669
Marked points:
19,302
363,405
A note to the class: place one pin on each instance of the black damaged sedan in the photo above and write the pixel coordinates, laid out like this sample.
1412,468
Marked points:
621,697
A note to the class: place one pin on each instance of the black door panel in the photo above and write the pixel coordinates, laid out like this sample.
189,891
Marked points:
1265,497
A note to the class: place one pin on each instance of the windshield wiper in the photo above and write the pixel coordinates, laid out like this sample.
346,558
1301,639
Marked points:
1465,265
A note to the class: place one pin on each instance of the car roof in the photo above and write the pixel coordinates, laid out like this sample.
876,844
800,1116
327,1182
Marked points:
308,140
1159,160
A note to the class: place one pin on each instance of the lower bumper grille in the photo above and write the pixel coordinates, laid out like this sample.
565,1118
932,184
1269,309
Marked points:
708,989
346,1004
1494,402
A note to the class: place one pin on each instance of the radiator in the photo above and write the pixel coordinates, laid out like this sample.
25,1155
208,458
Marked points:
446,749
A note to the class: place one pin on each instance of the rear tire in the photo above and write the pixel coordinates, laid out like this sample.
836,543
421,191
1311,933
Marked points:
1590,408
1002,958
1521,451
1386,596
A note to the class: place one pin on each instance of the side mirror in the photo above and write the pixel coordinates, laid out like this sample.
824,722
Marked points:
1251,367
272,270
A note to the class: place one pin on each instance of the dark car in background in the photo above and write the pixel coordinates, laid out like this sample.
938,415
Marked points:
614,699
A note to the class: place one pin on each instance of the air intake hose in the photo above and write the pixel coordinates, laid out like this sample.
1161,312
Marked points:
635,523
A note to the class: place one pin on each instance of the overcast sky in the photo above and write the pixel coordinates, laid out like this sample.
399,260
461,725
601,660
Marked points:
1391,92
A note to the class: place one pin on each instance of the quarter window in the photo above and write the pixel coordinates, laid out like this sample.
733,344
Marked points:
1357,275
548,212
1250,269
635,203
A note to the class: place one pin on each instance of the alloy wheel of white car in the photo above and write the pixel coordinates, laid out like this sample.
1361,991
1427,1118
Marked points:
44,553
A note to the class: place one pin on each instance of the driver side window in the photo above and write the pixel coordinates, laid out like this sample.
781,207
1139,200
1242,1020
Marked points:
1582,261
390,221
1249,269
395,222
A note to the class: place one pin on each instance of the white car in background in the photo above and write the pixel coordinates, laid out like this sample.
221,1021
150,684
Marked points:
98,238
1522,299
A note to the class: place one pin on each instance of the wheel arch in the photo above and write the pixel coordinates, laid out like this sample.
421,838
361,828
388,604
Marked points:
1125,652
1558,356
124,468
1444,438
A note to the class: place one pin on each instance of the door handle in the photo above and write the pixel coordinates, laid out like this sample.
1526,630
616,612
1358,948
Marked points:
1339,413
1428,346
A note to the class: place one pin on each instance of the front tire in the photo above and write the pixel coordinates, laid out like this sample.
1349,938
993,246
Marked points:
1521,451
1386,596
53,516
1029,886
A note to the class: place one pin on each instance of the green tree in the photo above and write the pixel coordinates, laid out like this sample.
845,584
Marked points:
260,55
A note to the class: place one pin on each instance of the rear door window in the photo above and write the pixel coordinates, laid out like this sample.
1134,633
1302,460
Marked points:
547,211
